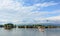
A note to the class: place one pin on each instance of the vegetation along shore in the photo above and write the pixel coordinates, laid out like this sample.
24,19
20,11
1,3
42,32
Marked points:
10,26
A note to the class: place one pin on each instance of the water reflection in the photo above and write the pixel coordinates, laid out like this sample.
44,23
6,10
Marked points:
53,32
8,28
29,32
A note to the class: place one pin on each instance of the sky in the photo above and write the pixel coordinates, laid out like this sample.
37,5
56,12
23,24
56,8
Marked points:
29,11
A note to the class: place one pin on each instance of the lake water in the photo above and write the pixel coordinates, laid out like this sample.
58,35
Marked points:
29,32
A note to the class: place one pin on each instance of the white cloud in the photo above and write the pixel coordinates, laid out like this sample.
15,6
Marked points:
55,12
54,18
46,4
12,11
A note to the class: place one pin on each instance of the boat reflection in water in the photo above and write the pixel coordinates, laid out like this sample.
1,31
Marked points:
41,29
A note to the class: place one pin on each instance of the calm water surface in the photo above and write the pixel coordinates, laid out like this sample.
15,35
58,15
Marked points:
29,32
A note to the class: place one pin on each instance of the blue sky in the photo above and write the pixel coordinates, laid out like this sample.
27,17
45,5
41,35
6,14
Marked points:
29,11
